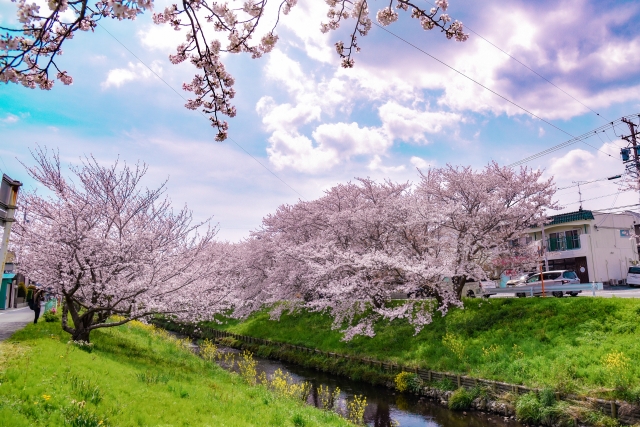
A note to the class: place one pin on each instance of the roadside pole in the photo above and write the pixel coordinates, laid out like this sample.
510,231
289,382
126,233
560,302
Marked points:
635,168
542,280
8,200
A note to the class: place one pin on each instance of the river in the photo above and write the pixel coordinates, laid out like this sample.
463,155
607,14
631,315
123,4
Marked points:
384,406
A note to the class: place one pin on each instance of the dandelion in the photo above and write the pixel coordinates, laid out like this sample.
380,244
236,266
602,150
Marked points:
46,397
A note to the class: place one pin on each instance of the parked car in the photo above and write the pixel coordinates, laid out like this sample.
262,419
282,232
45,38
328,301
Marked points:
558,277
633,276
479,289
522,278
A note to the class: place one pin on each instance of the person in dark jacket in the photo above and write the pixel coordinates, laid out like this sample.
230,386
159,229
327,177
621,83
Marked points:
38,297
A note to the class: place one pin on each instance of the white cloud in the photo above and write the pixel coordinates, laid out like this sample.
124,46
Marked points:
313,100
541,132
161,37
421,163
407,123
333,143
119,76
304,21
10,119
581,165
376,164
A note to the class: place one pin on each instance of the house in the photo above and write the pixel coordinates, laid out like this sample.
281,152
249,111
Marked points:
12,295
598,246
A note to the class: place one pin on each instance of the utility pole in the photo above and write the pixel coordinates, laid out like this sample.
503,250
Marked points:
632,166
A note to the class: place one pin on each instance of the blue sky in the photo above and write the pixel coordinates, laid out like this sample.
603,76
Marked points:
314,124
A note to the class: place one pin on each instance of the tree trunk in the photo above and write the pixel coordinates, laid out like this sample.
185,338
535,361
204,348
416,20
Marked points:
458,284
81,335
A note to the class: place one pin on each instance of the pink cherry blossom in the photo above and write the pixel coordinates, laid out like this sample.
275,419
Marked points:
108,247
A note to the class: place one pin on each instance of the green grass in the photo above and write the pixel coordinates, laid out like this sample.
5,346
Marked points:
131,377
539,342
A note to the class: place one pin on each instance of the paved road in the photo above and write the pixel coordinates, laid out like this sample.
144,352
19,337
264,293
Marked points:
614,291
618,292
13,320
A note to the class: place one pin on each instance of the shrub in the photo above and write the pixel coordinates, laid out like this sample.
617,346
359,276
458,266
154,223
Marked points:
50,316
299,421
408,381
355,409
460,400
528,408
247,367
543,409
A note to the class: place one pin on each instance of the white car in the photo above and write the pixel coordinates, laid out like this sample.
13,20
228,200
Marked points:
558,277
479,289
633,276
519,279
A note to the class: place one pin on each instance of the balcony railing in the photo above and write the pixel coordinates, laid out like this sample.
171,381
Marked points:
566,243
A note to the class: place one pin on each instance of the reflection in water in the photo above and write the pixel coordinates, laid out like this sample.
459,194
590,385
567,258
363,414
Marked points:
385,408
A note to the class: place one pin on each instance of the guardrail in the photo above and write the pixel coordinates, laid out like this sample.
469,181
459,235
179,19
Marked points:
537,289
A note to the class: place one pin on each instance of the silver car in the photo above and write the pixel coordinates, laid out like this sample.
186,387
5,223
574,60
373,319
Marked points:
557,277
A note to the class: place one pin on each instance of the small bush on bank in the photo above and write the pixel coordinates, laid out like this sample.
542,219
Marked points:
598,419
408,381
50,316
528,409
460,400
543,409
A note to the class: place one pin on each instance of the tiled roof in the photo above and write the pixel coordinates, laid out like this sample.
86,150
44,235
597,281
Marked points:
571,216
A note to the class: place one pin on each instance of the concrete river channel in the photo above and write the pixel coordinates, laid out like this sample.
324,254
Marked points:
385,407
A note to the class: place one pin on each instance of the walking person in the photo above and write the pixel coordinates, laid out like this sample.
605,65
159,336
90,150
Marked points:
38,297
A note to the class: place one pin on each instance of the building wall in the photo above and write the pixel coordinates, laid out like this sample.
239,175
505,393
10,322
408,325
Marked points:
613,246
609,253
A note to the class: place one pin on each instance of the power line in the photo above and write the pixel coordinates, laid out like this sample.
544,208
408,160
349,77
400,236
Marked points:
594,198
571,142
486,88
180,95
585,183
529,68
617,207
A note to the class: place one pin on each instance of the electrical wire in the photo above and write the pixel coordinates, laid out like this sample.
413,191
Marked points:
593,198
582,183
577,139
530,69
571,142
185,99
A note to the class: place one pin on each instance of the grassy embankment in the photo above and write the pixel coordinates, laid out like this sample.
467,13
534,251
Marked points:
131,376
574,345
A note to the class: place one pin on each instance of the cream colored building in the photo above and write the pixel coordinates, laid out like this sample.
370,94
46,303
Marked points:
598,246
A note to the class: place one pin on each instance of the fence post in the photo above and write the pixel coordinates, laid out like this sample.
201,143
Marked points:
429,375
459,383
614,410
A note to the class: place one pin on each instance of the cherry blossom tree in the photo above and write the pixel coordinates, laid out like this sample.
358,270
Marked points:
485,213
348,253
29,52
110,247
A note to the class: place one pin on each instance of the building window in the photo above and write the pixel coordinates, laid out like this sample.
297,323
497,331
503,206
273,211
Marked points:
564,241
